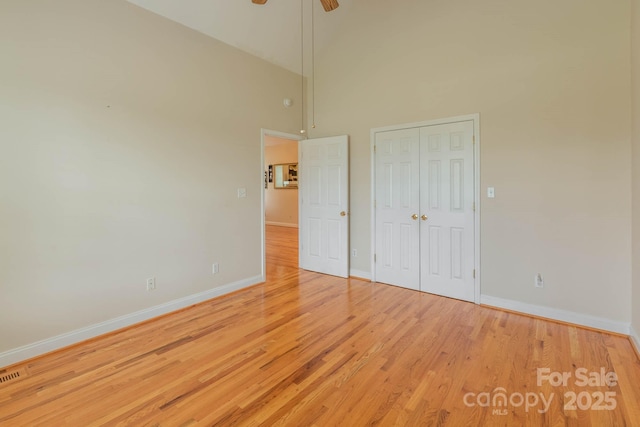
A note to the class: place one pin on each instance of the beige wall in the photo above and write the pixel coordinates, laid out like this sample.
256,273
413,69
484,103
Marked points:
124,138
551,83
635,64
281,205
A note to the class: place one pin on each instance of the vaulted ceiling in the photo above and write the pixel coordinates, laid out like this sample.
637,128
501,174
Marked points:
270,31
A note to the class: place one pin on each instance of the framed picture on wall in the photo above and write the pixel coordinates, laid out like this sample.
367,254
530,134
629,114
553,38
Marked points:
286,175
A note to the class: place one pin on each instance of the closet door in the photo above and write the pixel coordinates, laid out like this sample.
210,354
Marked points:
397,204
425,209
447,210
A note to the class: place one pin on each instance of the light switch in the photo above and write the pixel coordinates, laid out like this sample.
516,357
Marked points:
491,192
242,193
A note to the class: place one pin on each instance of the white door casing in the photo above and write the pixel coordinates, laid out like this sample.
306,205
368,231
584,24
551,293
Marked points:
264,133
425,223
323,186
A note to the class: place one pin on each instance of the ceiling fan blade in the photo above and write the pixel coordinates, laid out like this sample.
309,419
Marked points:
258,1
329,5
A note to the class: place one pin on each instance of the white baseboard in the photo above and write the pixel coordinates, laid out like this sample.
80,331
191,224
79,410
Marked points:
281,224
50,344
556,314
635,338
360,274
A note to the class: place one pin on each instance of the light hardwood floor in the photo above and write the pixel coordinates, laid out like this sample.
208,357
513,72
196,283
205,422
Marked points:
305,349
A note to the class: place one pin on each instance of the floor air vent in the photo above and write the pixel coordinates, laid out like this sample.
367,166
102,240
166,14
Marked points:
5,377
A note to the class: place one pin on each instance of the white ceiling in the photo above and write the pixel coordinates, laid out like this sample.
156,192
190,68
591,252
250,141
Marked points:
270,31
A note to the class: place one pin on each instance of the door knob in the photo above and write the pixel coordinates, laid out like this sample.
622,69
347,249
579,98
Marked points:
343,213
424,217
414,217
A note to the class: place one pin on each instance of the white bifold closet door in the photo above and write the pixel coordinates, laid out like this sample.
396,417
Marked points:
425,210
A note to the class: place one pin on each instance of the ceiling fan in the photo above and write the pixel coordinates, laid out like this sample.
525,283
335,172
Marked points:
328,5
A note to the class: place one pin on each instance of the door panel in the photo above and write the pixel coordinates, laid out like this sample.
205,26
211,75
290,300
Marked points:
324,193
447,196
397,199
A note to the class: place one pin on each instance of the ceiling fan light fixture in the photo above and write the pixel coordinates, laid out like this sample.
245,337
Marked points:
328,5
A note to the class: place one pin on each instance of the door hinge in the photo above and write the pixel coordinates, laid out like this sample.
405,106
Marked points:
375,258
474,139
474,206
374,204
374,148
474,273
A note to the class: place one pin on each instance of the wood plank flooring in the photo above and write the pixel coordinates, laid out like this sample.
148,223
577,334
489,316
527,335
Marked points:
304,349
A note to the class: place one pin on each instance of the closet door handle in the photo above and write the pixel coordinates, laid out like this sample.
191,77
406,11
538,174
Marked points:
414,217
424,217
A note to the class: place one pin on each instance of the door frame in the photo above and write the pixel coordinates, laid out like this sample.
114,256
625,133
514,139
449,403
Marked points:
277,134
475,118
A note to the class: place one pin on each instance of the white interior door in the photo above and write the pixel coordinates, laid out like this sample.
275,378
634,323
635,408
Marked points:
425,210
397,205
447,239
323,185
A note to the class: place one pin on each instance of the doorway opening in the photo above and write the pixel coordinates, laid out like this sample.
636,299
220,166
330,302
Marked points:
280,201
281,186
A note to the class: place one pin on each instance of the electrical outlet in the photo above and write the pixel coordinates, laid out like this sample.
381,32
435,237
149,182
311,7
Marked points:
539,281
151,283
354,252
215,268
